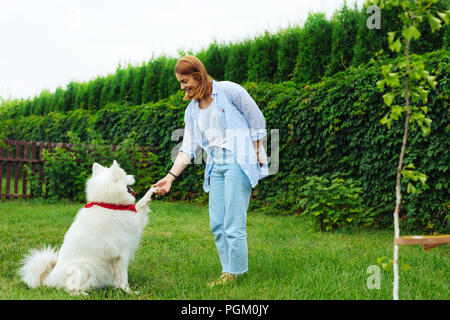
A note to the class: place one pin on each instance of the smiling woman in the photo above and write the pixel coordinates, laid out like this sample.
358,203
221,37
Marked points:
226,122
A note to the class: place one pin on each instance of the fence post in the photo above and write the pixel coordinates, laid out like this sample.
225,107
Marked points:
8,169
26,159
1,169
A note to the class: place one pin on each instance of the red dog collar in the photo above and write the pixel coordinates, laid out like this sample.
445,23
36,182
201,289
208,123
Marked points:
129,207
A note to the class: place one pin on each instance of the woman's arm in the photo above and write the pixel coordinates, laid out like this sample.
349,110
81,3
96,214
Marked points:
185,154
242,100
181,162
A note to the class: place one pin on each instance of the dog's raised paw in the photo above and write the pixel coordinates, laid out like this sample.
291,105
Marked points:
145,199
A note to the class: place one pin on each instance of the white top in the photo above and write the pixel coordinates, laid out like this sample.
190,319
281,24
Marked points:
211,127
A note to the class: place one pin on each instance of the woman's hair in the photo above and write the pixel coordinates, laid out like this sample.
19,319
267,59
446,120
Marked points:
191,65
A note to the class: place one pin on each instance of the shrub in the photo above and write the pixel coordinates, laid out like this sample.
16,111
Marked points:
334,201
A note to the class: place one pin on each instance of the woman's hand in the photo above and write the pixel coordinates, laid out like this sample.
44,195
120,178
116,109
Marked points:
260,159
163,186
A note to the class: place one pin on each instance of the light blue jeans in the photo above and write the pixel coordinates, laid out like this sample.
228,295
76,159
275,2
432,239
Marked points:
229,197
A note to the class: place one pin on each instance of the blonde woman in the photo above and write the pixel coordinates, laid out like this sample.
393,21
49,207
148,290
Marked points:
226,122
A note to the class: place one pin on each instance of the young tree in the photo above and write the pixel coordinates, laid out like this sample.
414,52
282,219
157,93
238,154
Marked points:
410,84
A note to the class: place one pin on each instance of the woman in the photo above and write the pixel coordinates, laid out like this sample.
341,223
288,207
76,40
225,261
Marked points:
225,121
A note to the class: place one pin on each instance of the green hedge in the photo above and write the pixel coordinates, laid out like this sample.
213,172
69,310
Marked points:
329,127
319,48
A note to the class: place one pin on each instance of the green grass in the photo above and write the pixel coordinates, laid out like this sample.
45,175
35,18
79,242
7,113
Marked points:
177,258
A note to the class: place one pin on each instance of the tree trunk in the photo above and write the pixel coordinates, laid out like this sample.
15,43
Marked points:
399,173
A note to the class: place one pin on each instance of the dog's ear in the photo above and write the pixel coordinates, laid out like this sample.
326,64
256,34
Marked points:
115,164
116,171
96,168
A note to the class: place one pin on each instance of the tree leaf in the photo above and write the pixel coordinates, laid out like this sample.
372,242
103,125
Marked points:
411,188
396,46
410,33
435,23
391,36
380,85
389,98
444,17
392,79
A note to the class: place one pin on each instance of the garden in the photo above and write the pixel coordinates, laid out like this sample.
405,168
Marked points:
358,138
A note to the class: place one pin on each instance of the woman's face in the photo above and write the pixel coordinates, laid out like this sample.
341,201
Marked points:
188,83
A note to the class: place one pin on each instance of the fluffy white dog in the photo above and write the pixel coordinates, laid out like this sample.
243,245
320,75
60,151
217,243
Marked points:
100,242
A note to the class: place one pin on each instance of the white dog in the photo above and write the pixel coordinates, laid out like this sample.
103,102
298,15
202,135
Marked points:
99,243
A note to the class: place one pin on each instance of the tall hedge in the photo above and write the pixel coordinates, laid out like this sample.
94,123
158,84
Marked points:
343,39
327,127
262,59
305,54
314,49
236,68
288,46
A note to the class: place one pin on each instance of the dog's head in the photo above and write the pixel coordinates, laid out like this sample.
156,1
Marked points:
110,185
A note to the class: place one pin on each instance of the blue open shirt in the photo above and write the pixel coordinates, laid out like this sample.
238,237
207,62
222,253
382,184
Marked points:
243,122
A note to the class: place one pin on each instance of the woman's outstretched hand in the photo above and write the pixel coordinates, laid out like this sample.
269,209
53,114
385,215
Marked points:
163,186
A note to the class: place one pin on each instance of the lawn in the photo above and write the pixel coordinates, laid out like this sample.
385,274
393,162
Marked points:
288,259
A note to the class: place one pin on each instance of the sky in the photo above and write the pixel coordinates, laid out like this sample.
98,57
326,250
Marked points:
48,43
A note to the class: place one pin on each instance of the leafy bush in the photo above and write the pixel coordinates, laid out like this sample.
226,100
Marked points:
65,179
334,201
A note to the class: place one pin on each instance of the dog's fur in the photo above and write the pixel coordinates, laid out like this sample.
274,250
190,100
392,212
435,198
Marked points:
100,242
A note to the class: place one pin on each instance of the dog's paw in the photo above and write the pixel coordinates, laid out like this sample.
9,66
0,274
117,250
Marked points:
128,290
145,199
78,293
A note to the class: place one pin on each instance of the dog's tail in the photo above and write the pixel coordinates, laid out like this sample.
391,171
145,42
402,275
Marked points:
37,265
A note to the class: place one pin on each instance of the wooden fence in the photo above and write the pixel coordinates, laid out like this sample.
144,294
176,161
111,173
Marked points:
16,156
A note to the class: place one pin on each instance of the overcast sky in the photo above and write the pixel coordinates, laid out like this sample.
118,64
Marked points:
48,43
